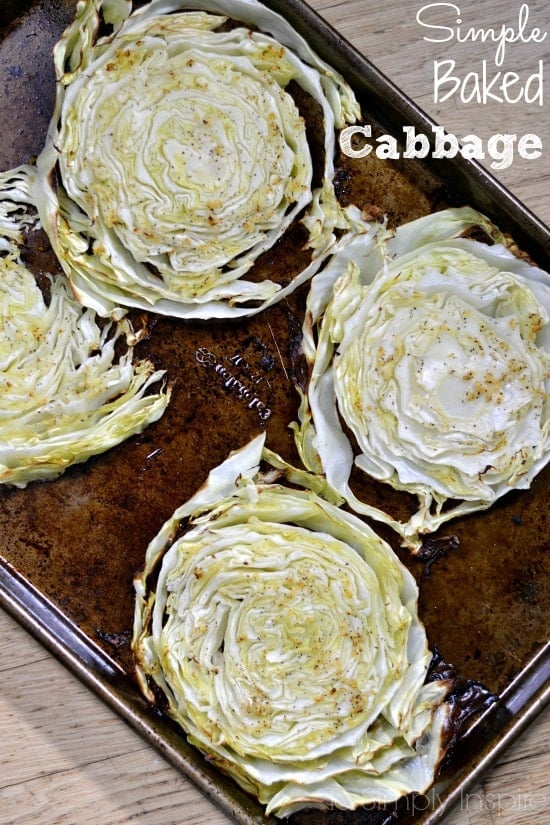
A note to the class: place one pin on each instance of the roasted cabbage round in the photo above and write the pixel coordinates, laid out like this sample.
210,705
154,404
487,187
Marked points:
282,634
180,156
65,392
429,356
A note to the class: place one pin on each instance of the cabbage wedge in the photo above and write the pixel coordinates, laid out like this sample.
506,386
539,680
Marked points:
429,359
282,635
65,395
177,156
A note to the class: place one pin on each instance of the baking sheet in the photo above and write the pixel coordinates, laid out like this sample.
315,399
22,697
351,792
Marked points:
69,548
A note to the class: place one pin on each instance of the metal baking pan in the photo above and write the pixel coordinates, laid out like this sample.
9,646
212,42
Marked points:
69,548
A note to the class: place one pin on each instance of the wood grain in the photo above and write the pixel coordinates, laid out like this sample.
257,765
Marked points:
67,759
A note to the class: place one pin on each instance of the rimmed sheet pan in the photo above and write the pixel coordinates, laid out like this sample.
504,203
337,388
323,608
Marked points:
69,548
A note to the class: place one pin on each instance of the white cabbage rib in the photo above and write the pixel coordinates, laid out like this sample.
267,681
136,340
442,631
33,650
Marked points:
64,394
434,351
284,634
181,157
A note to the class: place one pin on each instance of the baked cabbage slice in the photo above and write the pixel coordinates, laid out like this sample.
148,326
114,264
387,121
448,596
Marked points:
282,635
429,357
66,393
176,155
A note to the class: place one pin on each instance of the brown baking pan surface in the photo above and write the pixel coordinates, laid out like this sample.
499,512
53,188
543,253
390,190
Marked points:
69,548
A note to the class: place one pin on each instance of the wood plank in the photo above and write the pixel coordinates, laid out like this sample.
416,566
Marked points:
67,758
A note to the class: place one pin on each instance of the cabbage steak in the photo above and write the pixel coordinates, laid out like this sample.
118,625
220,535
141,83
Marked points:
428,358
176,156
282,635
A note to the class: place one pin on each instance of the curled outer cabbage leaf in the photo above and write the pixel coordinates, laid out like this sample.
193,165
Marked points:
283,636
181,157
64,395
433,351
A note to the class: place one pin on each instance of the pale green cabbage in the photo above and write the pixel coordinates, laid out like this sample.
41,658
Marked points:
433,351
64,395
176,156
284,635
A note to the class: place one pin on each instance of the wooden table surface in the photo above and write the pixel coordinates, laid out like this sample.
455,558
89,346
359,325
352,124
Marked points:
67,759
